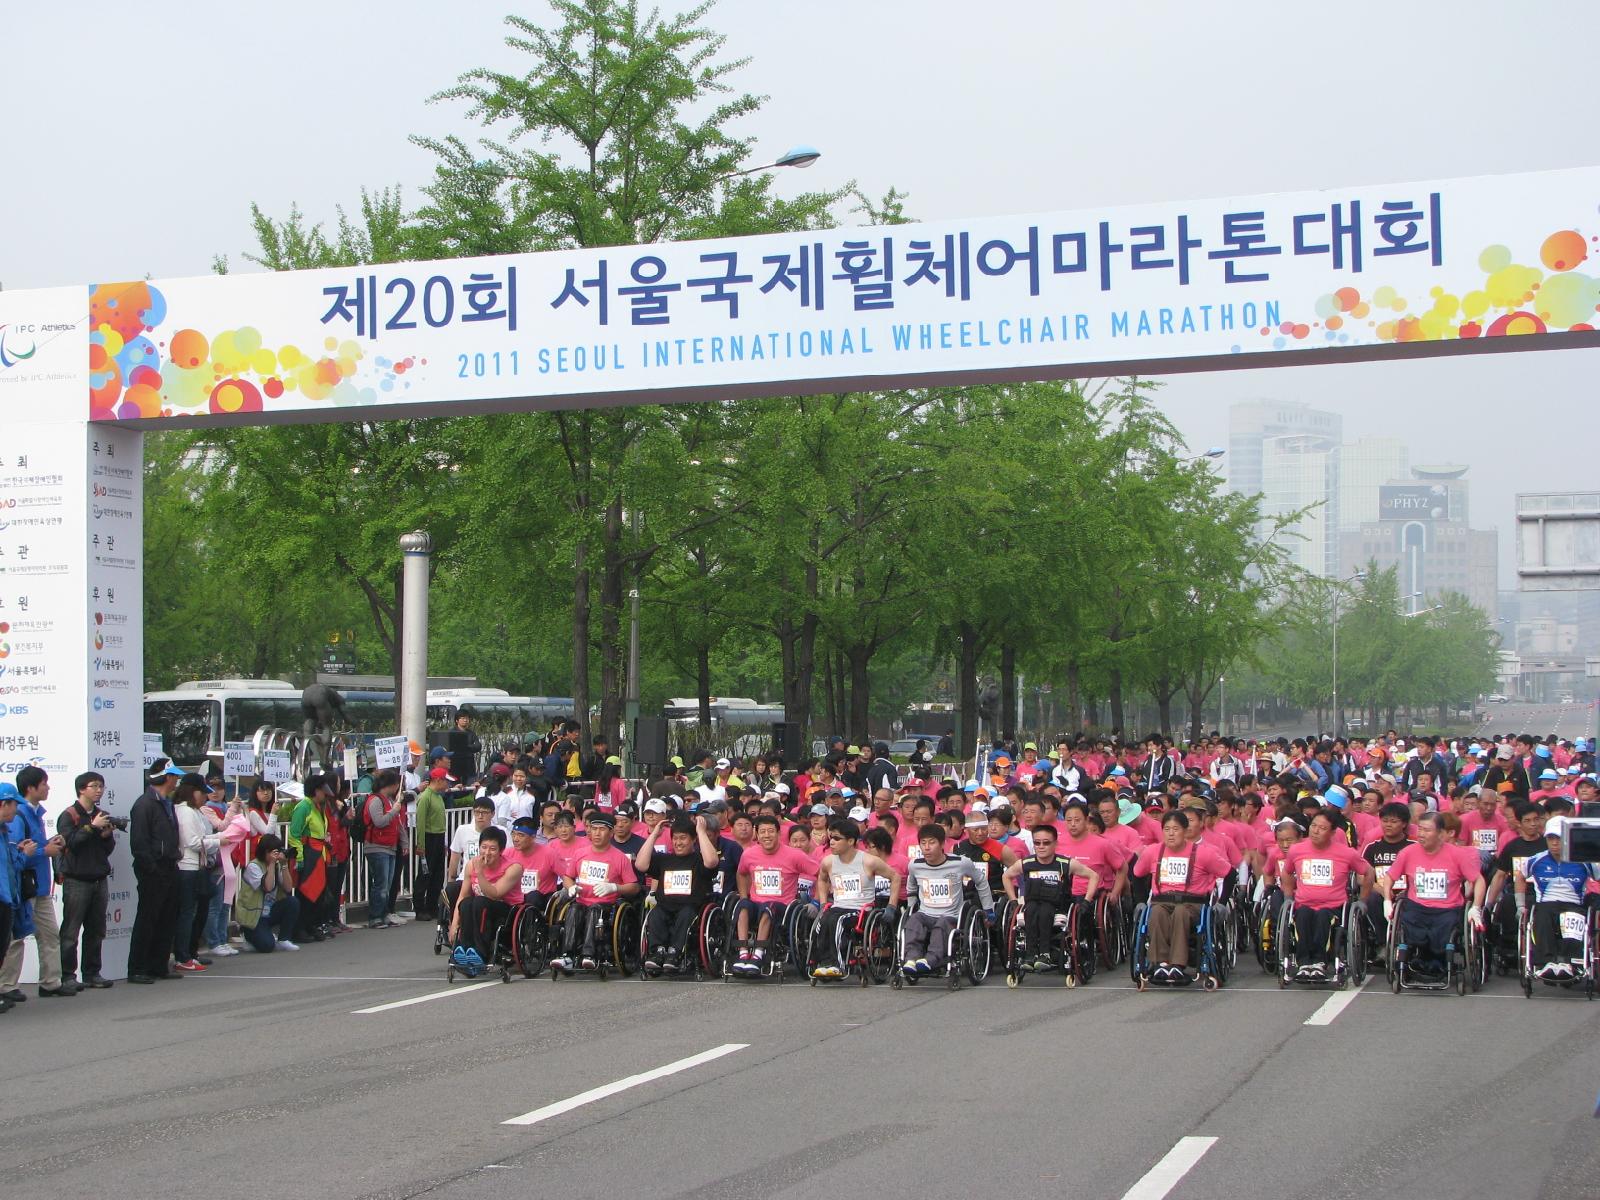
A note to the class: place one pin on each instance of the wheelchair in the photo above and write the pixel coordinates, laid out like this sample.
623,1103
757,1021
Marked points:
1584,979
1073,951
1111,922
865,946
707,941
968,950
1265,912
790,944
1464,964
1347,936
1207,948
521,941
616,937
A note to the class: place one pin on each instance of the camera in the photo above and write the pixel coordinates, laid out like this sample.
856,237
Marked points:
120,824
1580,841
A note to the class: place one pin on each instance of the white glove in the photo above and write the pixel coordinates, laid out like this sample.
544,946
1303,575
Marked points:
1475,915
572,891
1388,910
602,890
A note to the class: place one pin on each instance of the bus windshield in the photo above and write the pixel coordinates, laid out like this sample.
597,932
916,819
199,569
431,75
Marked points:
187,727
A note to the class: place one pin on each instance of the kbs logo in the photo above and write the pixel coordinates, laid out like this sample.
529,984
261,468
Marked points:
103,705
15,710
12,340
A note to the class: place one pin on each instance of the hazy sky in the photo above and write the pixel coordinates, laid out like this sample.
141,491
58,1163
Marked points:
135,139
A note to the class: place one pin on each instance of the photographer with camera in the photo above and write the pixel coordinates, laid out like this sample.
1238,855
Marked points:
88,833
33,848
265,907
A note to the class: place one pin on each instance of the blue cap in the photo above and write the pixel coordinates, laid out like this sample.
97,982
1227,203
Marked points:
1474,749
1541,751
174,770
1581,744
8,791
847,793
970,786
1118,771
437,752
1547,773
1336,796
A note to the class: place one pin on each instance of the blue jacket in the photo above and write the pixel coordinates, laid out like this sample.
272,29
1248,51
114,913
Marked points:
29,823
11,888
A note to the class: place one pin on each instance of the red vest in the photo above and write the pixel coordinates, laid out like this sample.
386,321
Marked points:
388,835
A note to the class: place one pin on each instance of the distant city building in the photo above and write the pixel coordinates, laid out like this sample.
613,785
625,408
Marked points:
1432,557
1288,453
1365,465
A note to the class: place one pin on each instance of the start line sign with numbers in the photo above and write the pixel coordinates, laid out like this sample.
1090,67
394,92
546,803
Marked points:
1477,264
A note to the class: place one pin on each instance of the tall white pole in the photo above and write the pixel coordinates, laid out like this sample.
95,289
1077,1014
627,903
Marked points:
417,547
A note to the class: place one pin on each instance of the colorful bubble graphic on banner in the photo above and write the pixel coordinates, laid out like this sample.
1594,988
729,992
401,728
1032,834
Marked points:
1514,298
134,373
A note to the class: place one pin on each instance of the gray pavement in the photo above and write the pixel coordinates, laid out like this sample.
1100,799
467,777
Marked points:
259,1078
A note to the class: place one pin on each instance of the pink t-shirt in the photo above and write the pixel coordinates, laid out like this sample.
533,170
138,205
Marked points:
537,877
1483,833
1435,880
1368,827
564,856
602,866
1320,875
775,878
1095,852
1125,837
1195,869
1148,829
1224,846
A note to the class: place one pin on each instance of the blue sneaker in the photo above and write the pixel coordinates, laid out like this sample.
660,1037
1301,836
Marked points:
458,957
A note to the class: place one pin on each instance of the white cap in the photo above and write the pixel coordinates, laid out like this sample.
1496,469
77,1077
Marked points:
723,764
1555,827
782,789
859,814
656,804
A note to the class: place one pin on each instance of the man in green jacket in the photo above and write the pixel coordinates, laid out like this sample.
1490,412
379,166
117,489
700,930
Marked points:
430,837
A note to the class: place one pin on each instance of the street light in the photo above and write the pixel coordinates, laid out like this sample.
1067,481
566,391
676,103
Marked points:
801,156
1338,713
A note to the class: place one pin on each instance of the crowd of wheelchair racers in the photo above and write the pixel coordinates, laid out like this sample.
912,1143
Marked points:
940,879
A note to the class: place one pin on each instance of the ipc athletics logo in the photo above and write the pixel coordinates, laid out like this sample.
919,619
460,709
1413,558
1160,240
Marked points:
10,355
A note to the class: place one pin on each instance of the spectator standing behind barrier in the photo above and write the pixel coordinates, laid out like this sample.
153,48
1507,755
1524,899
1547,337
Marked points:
340,816
198,840
153,840
308,838
386,827
85,868
266,908
33,849
431,828
16,917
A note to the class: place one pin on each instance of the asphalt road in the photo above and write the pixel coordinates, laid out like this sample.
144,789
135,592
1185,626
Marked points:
260,1078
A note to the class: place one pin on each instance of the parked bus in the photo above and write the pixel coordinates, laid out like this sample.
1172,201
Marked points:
195,718
497,716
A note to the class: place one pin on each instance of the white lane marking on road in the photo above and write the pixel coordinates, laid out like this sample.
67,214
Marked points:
1336,1004
622,1085
208,977
1163,1177
460,991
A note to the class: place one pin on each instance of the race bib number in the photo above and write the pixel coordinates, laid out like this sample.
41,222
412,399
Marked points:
677,883
913,854
1316,872
1432,885
1574,925
1174,872
1381,874
769,881
530,880
1484,839
592,872
1520,866
1049,879
847,887
935,893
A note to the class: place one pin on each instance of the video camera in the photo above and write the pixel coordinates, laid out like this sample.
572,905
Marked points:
1580,841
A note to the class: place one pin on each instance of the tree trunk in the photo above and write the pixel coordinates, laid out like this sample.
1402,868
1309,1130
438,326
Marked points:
1115,699
1074,701
611,589
1010,717
859,657
966,690
702,684
830,695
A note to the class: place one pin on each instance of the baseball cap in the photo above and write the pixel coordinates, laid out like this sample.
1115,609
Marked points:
8,791
656,804
723,764
859,813
1555,827
500,771
414,746
1031,746
614,760
602,818
820,810
439,773
852,751
781,789
1541,751
676,761
1547,773
1337,796
1504,752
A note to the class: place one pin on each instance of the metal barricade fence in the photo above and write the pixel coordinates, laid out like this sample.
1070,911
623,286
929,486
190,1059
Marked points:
355,880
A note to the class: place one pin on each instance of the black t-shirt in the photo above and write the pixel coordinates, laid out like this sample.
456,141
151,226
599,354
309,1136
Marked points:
1048,884
629,845
1382,854
993,863
684,879
1516,848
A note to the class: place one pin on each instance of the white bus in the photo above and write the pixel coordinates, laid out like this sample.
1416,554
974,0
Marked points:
195,718
497,716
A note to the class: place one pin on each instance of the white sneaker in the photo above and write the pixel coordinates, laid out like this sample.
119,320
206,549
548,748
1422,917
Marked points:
403,915
393,921
248,948
223,950
286,944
